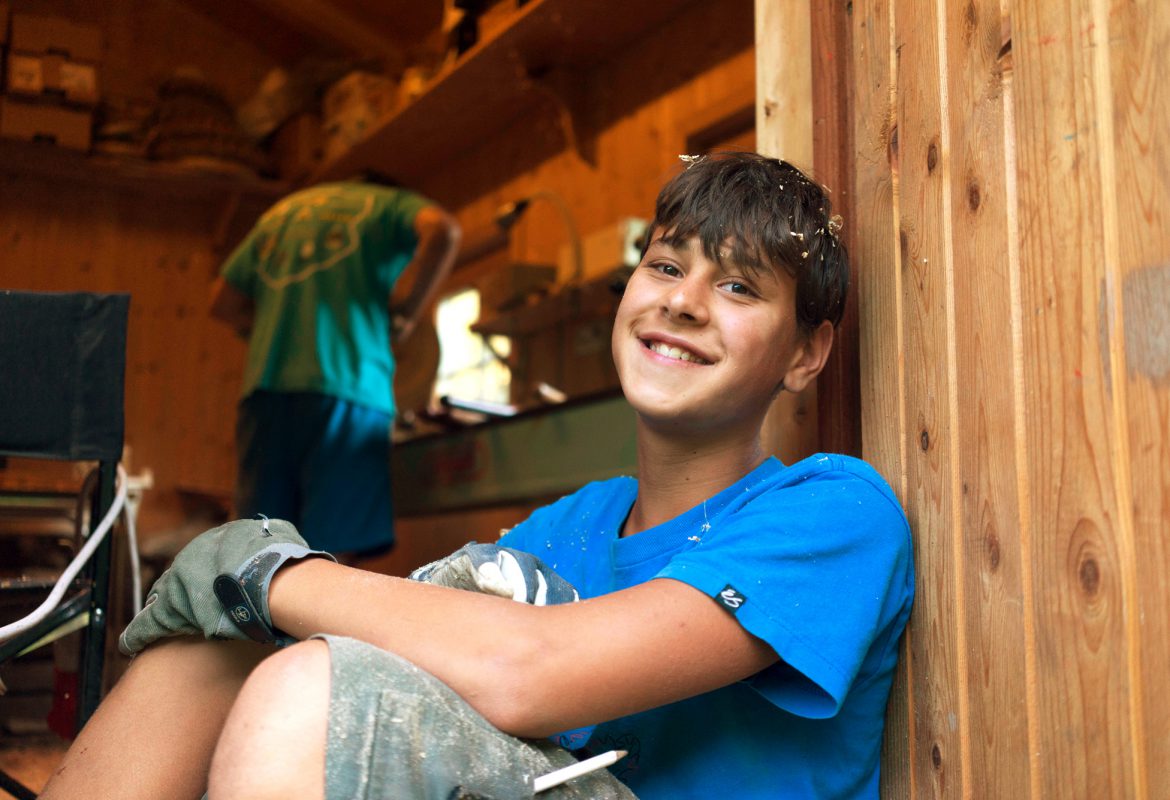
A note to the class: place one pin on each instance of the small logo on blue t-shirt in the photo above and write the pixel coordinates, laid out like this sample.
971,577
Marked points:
731,598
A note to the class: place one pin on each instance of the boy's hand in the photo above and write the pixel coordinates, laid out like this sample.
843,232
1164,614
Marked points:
503,571
217,586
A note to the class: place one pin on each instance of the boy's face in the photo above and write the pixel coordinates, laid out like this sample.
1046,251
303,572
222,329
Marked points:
704,345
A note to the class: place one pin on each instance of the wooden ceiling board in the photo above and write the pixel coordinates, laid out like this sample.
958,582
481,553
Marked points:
285,43
293,30
496,79
331,25
405,21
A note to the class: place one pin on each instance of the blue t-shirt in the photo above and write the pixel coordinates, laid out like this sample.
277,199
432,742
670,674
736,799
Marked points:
320,266
815,559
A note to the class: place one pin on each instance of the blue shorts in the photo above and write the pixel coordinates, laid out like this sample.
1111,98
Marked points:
319,462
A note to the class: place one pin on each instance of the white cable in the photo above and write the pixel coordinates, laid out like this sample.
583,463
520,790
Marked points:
135,565
129,514
45,608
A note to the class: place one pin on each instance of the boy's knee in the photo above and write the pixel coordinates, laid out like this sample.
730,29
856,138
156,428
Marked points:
274,737
299,664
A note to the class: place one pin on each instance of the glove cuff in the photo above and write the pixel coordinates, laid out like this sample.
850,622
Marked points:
244,594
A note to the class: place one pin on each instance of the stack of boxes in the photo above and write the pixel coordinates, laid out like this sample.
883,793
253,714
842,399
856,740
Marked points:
50,80
353,106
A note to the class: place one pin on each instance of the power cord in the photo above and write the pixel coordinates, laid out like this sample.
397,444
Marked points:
83,555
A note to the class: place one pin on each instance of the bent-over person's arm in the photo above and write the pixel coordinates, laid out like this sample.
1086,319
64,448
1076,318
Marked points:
233,307
438,244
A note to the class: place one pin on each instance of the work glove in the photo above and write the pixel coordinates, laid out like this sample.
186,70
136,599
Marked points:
217,586
502,571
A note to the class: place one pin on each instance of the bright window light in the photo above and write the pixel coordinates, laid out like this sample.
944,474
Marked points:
467,368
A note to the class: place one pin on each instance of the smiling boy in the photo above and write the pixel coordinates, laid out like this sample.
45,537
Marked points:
739,618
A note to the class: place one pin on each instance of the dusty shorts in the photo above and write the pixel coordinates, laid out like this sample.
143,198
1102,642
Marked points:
396,731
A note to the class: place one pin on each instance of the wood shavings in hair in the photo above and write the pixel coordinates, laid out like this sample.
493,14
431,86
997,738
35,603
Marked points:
836,224
690,161
798,235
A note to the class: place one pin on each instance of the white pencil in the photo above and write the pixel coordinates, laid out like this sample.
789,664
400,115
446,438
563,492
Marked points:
559,776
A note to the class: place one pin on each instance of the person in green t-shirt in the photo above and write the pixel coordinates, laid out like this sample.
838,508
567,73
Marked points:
310,288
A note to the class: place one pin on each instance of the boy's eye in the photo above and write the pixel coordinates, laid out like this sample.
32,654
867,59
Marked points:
737,288
667,269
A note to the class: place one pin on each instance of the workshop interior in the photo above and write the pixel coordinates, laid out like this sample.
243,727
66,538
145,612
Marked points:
1002,173
138,145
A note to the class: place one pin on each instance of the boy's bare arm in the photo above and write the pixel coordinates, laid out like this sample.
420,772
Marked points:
232,306
439,235
531,671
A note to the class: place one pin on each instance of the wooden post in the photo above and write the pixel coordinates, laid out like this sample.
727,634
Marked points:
784,129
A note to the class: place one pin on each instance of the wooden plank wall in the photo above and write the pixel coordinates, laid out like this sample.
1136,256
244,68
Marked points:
784,130
182,368
66,228
1011,192
802,89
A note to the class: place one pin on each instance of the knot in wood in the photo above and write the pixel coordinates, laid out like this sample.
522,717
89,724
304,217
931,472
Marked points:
1090,576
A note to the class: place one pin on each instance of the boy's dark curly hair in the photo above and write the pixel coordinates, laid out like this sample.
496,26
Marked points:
770,215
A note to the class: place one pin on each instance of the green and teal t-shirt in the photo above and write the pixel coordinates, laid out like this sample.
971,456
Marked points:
320,266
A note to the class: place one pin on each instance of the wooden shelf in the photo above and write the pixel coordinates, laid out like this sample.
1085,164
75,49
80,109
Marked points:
129,172
495,82
594,299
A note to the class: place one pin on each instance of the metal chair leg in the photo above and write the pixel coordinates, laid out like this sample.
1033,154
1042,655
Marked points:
15,788
93,648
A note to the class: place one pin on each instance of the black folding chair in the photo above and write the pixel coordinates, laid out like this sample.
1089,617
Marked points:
62,374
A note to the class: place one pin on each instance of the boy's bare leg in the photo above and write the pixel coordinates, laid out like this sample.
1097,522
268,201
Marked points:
154,735
274,741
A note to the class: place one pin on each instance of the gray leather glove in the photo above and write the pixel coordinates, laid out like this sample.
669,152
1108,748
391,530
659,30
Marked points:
502,571
217,585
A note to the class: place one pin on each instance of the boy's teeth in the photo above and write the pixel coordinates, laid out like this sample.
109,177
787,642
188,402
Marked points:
674,352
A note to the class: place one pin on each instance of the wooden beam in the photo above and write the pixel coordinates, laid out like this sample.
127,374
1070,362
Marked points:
784,95
784,129
839,395
324,21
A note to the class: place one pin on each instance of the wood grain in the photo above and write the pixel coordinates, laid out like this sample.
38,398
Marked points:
1083,645
182,369
878,292
838,386
924,231
1138,41
992,558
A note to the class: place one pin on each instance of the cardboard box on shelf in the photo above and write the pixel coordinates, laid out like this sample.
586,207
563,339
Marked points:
52,76
32,33
506,288
573,357
361,89
66,127
495,17
355,105
604,250
562,340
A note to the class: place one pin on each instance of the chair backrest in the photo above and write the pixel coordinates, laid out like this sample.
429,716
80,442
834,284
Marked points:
62,374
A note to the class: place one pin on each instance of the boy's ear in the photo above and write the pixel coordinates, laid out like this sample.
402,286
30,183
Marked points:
810,357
